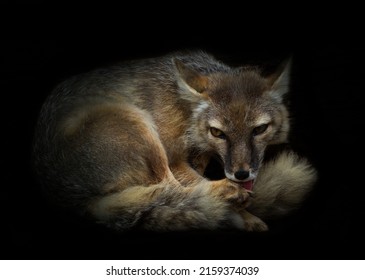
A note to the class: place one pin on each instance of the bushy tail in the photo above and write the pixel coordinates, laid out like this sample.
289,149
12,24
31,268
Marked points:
282,185
165,207
197,209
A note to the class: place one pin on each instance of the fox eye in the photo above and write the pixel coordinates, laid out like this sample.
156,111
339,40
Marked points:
217,133
260,129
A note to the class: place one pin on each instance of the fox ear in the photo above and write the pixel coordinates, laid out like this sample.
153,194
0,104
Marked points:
190,80
280,80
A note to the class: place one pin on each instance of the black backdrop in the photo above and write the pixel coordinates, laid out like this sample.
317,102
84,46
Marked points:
326,107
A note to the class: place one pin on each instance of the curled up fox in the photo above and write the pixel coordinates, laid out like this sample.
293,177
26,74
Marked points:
127,146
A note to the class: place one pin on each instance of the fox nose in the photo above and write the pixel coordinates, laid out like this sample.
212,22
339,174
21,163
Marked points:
242,174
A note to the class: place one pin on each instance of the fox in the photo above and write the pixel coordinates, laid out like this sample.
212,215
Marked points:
127,145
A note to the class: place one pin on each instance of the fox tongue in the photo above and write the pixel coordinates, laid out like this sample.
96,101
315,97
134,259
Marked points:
248,185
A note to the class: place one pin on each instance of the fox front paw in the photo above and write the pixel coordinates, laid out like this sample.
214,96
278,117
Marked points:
231,192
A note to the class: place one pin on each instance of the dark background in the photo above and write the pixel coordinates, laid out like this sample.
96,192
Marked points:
327,127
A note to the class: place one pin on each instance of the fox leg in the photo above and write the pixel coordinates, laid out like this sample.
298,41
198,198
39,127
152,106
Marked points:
119,158
185,174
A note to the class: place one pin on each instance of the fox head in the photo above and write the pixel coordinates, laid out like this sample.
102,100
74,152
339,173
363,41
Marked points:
238,113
